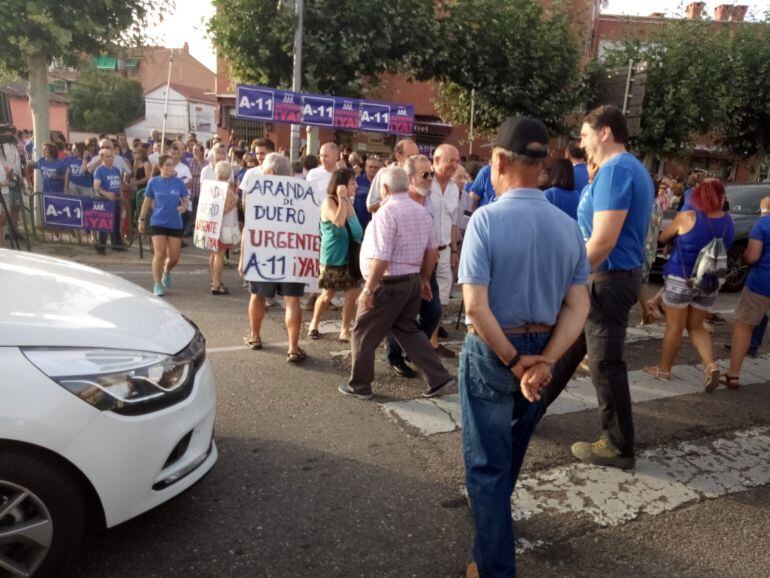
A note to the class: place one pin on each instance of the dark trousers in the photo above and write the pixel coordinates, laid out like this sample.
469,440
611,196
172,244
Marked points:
188,219
430,315
396,305
604,341
117,235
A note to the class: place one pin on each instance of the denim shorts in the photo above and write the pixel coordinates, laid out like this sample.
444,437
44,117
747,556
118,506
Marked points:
678,295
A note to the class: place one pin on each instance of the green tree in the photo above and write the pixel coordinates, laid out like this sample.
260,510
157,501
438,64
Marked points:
520,58
104,102
687,84
346,44
744,123
35,32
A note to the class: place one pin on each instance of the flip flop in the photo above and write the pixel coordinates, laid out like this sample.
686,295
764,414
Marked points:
314,334
729,381
655,371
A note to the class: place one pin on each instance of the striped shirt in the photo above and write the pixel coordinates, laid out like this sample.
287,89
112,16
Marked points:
400,233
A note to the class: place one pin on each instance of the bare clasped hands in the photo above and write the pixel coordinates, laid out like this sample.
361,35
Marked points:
534,372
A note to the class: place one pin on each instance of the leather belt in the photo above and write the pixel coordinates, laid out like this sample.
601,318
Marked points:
605,275
398,278
523,330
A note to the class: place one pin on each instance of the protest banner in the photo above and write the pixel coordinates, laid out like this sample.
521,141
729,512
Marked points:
281,232
77,212
208,219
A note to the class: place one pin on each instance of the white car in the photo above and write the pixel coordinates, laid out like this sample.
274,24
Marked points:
107,407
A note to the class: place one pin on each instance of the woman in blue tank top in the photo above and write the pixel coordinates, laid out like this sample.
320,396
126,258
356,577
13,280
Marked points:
687,306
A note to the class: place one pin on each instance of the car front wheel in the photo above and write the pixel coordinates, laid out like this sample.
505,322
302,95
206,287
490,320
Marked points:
42,515
737,269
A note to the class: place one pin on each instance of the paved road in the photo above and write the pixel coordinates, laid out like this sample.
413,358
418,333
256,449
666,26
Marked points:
313,484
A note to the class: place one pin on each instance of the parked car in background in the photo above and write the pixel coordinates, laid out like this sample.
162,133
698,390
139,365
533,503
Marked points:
107,407
744,208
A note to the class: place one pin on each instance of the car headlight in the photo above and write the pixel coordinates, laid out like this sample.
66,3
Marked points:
126,382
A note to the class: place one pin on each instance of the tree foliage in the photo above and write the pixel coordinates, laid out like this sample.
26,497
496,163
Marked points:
520,58
346,43
65,29
104,102
703,79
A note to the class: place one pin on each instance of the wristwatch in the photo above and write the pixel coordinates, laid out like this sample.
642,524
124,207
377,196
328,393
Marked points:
515,361
367,291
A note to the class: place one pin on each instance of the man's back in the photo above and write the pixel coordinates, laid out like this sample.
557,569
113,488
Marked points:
524,249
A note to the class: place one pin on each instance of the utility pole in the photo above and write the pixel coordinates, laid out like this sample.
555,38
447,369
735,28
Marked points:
473,114
165,106
296,84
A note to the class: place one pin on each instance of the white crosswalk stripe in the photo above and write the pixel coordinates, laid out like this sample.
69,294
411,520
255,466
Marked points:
442,415
664,479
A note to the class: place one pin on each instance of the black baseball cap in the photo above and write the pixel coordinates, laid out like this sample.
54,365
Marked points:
523,136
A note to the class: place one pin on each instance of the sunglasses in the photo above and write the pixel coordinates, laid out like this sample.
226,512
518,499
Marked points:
427,174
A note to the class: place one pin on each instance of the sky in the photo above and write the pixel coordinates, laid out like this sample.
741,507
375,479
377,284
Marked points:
186,24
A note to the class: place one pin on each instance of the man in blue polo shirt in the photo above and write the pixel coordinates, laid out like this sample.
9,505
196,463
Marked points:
521,245
614,215
577,156
107,180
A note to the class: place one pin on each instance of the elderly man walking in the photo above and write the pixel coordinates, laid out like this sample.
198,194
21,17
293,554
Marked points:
397,258
524,272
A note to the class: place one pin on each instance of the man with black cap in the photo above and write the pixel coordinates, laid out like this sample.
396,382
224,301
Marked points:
519,246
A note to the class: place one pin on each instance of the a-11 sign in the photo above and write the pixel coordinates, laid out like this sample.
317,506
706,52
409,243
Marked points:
284,106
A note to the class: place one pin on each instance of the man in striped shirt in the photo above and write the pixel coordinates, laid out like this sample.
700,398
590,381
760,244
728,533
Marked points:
398,255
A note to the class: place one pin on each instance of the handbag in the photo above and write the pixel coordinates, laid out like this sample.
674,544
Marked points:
354,249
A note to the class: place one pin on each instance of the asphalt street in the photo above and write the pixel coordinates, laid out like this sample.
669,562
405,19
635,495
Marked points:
310,483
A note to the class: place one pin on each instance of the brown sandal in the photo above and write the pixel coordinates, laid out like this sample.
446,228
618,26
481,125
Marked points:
730,381
655,371
296,357
712,377
255,343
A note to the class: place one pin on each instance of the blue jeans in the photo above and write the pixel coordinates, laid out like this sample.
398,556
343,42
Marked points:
498,422
430,315
757,336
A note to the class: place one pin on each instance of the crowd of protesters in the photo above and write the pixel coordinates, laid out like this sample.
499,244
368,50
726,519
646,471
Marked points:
551,254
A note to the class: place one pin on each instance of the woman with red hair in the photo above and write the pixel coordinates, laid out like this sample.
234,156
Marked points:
687,306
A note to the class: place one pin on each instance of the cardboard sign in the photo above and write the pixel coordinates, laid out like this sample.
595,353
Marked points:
281,233
208,219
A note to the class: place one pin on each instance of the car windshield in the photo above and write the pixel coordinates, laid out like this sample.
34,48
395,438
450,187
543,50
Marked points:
745,200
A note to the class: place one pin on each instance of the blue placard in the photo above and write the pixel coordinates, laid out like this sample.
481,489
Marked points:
283,106
63,211
318,110
375,117
75,212
256,103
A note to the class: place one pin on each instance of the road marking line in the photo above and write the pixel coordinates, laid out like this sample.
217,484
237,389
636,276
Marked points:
580,395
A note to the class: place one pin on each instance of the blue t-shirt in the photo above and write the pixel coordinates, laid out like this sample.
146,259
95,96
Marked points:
168,195
622,184
109,177
581,176
522,245
50,169
566,200
359,202
482,187
78,175
758,279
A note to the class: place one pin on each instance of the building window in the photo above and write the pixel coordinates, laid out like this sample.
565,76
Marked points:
244,129
59,86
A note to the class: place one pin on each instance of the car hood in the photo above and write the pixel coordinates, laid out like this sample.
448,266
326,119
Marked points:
56,303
